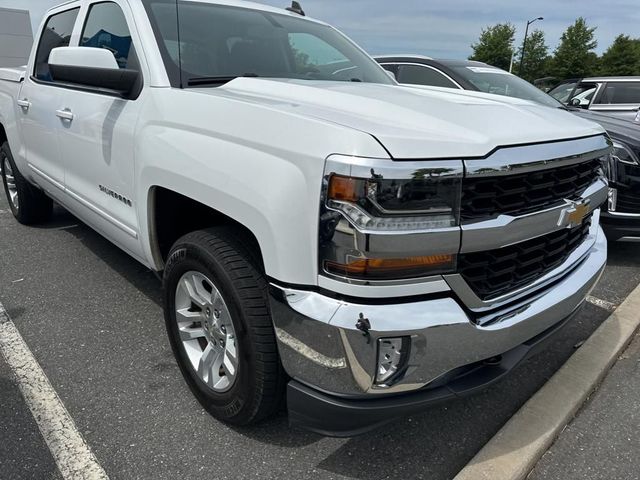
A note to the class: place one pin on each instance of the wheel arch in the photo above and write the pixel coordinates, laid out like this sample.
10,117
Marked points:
3,133
172,214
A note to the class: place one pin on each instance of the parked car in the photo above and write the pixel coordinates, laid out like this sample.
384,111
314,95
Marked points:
368,249
462,75
622,218
546,83
619,96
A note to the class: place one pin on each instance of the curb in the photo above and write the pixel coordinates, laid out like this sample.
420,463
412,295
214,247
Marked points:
514,451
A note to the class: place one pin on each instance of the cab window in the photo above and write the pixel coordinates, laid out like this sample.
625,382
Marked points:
56,33
106,27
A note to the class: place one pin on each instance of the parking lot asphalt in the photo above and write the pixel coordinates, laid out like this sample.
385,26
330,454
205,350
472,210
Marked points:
92,317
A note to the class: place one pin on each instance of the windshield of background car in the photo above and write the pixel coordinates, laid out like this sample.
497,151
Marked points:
496,81
563,91
199,39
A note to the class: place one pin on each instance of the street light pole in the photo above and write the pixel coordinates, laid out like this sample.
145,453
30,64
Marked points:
524,43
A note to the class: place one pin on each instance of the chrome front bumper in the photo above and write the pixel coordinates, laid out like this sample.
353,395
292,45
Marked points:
321,347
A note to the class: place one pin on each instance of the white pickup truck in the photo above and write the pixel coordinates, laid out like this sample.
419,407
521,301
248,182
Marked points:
323,234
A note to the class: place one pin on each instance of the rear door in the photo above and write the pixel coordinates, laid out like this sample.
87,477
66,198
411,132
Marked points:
97,141
39,100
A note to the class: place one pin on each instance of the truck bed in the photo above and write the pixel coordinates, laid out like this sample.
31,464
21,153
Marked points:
15,75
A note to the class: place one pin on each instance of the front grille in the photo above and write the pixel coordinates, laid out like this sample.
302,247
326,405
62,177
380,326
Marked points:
496,272
627,201
519,194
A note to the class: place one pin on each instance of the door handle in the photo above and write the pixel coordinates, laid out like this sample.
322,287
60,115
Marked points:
24,103
65,114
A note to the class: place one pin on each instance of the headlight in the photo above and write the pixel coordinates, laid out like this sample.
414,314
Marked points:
424,202
384,220
624,154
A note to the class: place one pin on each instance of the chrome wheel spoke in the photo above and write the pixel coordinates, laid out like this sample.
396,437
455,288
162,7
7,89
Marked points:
230,361
186,315
190,285
209,365
12,189
189,333
206,331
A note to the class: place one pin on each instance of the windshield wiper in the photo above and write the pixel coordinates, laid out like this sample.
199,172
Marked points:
221,80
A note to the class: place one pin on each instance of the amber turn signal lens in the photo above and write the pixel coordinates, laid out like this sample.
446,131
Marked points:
394,268
344,188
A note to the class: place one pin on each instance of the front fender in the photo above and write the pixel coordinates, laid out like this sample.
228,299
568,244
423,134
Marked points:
273,198
259,166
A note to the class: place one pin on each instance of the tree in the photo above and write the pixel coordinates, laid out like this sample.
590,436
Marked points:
535,57
574,56
495,45
622,57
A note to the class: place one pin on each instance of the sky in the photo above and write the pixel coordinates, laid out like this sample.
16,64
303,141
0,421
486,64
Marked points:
442,29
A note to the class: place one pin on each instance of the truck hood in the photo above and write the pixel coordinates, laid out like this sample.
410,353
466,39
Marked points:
415,122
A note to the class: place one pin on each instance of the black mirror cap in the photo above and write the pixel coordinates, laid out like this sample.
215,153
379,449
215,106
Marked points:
120,82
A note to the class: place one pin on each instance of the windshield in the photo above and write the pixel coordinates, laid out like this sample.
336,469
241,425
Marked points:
563,91
496,81
213,43
574,93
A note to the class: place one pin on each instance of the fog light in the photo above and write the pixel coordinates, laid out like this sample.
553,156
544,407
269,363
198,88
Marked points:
392,358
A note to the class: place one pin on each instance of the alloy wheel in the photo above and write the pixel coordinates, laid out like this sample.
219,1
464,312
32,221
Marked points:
206,331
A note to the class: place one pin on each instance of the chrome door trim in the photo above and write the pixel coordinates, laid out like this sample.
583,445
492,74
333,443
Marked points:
615,107
126,229
43,175
116,223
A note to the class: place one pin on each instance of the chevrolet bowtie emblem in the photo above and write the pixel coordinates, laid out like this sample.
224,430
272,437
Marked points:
573,215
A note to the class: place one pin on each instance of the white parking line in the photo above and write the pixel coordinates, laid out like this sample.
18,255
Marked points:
69,450
608,306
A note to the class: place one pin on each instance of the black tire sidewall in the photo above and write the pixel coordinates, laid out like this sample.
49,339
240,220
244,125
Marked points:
240,398
34,205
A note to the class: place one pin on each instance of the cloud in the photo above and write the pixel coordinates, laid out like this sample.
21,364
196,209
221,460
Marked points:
442,29
447,29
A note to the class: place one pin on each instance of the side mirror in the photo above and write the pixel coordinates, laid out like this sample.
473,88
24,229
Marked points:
93,68
392,75
574,102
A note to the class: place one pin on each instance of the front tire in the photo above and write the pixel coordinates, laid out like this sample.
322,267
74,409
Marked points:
28,204
219,325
